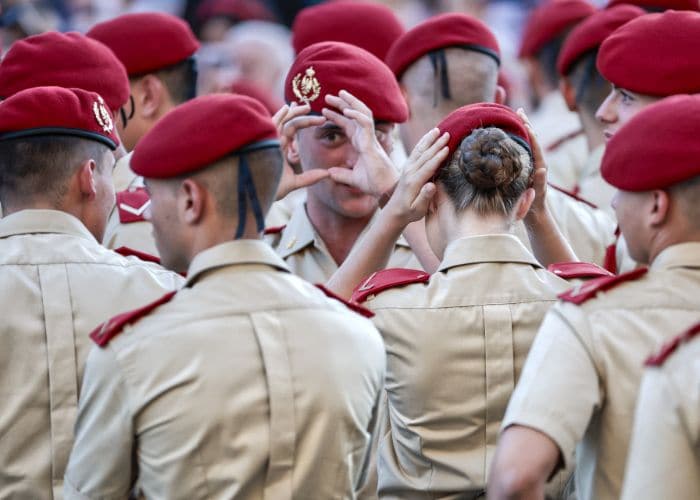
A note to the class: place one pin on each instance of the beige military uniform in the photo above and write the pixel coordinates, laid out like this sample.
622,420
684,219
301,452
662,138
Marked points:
249,384
592,187
664,456
581,378
455,348
58,284
281,211
307,256
136,235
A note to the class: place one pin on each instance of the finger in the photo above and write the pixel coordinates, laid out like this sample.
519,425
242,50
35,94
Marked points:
279,116
310,177
424,143
427,170
341,175
355,103
336,102
336,118
364,120
422,202
292,126
429,150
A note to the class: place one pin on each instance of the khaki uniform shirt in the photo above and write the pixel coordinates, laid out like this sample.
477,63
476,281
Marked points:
581,378
249,384
281,211
592,186
455,349
58,284
307,256
135,235
664,456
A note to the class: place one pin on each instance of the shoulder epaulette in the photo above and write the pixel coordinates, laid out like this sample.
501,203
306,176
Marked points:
578,270
586,291
386,279
670,347
611,253
274,230
110,329
130,252
132,204
350,305
563,140
572,194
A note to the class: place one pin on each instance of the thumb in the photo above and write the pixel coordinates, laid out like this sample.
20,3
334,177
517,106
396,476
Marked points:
422,201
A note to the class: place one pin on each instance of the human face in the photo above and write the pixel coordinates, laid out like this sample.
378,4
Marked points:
327,146
630,209
167,232
619,108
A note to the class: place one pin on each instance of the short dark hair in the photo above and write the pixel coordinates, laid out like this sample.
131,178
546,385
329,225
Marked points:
547,58
180,79
591,87
41,166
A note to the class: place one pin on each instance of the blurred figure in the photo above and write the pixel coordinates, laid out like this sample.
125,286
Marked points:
217,17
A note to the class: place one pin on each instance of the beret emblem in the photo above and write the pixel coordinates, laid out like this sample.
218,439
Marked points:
102,116
306,88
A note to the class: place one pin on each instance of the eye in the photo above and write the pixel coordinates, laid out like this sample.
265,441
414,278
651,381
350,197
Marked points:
332,137
626,98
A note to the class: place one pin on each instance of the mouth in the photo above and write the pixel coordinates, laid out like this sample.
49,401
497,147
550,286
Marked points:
608,135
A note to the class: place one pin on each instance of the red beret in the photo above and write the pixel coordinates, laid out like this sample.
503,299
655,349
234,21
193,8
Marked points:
244,87
463,121
655,54
240,10
550,20
50,111
440,32
659,4
657,148
592,31
66,60
225,123
329,67
367,25
147,41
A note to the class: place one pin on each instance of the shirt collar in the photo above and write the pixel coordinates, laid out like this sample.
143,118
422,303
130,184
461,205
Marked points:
486,248
239,252
681,255
43,222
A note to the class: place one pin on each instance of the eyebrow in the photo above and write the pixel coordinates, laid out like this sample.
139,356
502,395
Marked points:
329,126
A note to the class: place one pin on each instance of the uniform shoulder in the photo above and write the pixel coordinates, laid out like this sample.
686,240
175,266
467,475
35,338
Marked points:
274,230
387,279
110,329
353,306
586,291
578,270
659,358
132,204
130,252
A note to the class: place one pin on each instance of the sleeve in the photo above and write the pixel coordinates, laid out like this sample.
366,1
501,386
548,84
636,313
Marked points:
559,388
379,428
100,465
661,462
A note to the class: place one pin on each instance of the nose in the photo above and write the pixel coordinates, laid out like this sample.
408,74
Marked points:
607,112
351,157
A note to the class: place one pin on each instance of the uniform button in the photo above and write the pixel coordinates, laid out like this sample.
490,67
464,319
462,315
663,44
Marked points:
291,243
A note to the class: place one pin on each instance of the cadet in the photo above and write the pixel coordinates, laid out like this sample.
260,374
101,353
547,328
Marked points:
58,282
248,383
582,374
664,454
157,50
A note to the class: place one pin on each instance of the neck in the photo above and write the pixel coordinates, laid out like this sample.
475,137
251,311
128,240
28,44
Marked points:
470,223
592,130
664,240
338,232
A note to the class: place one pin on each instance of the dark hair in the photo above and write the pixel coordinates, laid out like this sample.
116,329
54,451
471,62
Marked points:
180,79
591,87
489,172
547,58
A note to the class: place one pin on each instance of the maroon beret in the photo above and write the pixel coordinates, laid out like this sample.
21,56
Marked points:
239,10
329,67
592,31
655,54
224,124
659,4
463,121
657,148
550,20
245,87
147,41
368,25
50,111
66,60
440,32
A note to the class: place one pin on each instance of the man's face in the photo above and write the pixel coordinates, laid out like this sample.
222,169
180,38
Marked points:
163,215
619,108
327,146
630,208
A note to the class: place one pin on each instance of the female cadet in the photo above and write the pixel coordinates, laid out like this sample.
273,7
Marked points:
456,341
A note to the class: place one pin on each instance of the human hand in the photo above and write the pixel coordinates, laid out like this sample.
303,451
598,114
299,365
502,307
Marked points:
539,170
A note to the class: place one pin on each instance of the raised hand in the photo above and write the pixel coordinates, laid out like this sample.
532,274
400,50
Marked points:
539,173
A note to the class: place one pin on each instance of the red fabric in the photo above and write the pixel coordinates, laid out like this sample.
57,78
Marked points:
335,66
574,270
146,41
655,54
274,229
107,331
462,121
672,346
267,99
659,4
657,148
68,60
224,123
57,111
549,20
130,252
572,194
367,25
588,35
438,32
582,293
238,10
386,279
131,205
353,306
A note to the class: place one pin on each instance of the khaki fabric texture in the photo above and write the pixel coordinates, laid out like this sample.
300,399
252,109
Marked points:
593,187
249,384
455,349
58,284
581,378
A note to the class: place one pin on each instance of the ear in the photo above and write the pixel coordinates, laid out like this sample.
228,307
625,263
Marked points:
524,204
86,179
661,209
191,202
569,93
151,98
292,153
404,94
500,96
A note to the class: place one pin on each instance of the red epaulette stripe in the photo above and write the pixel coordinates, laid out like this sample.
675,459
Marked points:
670,347
386,279
349,304
611,254
581,293
130,252
572,194
559,142
274,230
574,270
